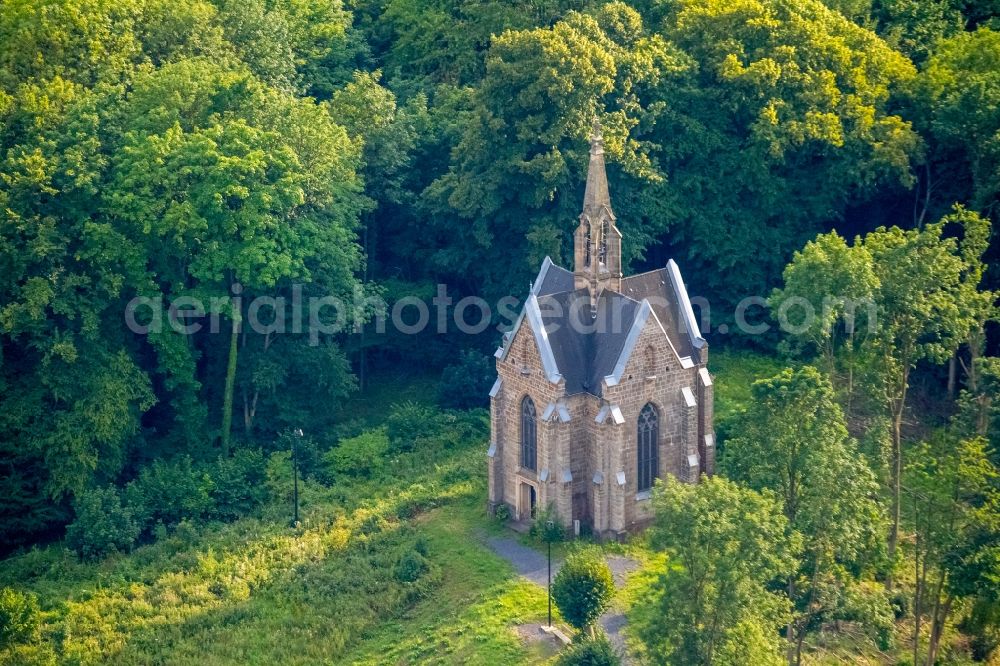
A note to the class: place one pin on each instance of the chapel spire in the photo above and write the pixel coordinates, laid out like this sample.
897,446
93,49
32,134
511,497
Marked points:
597,264
596,195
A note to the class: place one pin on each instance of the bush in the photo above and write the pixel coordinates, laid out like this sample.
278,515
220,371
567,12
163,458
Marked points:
169,491
278,472
238,484
408,422
583,589
502,512
363,455
596,651
410,567
457,429
19,617
466,384
547,526
102,524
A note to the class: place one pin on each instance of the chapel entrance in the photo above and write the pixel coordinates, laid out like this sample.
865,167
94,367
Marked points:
526,510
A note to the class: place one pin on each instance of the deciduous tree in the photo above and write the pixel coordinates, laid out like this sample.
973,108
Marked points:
793,441
725,545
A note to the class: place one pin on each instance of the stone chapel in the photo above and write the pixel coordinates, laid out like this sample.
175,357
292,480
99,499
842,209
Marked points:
602,385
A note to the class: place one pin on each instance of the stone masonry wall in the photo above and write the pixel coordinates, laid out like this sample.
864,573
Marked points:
654,375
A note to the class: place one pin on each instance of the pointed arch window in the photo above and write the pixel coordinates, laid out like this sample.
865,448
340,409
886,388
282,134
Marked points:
529,448
648,437
589,244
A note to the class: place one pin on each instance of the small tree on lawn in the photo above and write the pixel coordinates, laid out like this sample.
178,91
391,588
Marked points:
582,590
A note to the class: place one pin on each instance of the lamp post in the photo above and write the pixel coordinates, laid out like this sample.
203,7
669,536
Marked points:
549,526
295,474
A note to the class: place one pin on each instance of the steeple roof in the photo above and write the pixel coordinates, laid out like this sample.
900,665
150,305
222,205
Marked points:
596,195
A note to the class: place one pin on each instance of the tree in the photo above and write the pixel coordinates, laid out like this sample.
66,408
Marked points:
784,95
519,167
793,441
956,100
925,288
832,286
236,201
978,304
920,317
914,26
955,500
725,545
446,40
466,384
583,589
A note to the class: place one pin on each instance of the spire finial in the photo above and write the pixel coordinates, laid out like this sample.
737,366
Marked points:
596,138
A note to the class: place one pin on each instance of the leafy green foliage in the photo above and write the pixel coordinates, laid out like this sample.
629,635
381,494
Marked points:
363,455
411,567
168,491
793,441
547,527
953,490
784,95
919,290
596,651
237,484
226,150
725,545
102,525
19,621
409,422
956,99
339,566
520,161
583,589
467,383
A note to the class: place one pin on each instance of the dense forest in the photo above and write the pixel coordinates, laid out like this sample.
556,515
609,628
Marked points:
229,152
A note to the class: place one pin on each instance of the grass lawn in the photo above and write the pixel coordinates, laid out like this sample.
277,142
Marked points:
470,617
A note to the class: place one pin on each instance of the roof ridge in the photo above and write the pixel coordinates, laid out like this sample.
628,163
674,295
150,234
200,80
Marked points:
635,275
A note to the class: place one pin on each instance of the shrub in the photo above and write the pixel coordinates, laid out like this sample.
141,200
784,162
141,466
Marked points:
502,512
596,651
19,617
547,526
168,491
408,422
102,524
279,480
459,428
363,455
466,383
410,567
583,589
238,484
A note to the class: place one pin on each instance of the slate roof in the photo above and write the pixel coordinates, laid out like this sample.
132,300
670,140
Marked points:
552,279
665,290
585,350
